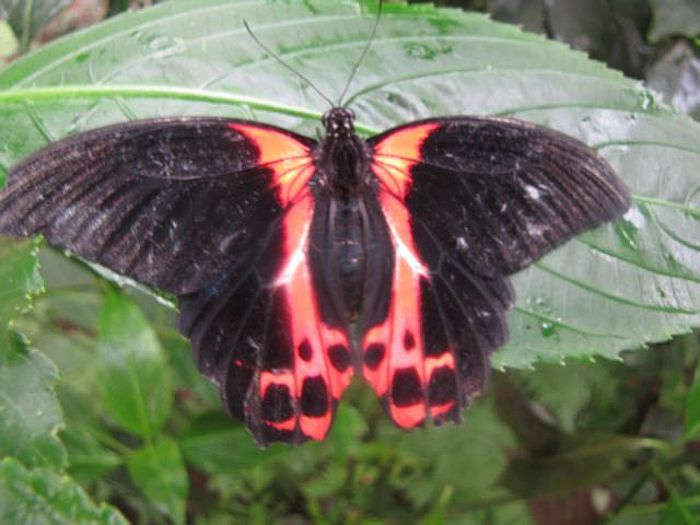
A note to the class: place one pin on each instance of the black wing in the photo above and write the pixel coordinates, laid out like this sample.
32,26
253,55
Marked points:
169,202
505,192
217,212
469,200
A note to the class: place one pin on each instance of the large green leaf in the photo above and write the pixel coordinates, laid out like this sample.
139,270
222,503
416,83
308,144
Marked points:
612,289
42,496
30,416
467,459
159,471
19,276
135,380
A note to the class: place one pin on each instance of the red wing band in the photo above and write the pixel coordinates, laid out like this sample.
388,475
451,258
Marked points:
314,383
396,363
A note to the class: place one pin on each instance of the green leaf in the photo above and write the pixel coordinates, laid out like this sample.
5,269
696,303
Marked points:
30,415
135,381
583,460
186,375
678,512
566,390
515,513
83,437
692,410
160,473
215,444
19,276
616,288
42,496
468,458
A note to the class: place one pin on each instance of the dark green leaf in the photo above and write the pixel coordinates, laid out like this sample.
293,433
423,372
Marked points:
583,460
19,277
186,376
566,390
84,438
678,512
516,513
349,427
692,410
41,496
467,458
135,380
30,416
218,445
613,289
158,470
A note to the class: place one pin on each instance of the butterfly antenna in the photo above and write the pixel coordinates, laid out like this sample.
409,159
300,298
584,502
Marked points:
364,53
290,68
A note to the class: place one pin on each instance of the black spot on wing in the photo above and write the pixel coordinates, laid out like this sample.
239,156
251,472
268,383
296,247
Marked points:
406,387
277,404
314,397
442,387
374,354
409,341
340,358
305,350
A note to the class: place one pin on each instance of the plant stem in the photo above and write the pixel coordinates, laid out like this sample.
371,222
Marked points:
52,93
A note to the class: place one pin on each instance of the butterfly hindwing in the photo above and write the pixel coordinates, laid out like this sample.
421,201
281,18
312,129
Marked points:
216,211
281,368
468,201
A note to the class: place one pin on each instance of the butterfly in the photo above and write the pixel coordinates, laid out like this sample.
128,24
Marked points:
299,263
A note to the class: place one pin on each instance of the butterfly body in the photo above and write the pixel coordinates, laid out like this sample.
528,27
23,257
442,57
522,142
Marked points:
276,245
342,232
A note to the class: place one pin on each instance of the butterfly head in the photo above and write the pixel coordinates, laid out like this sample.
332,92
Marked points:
339,122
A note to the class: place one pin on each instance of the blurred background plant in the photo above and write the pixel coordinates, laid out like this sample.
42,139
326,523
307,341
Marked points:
580,443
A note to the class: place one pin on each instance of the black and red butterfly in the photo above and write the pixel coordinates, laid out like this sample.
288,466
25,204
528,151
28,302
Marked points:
299,264
277,244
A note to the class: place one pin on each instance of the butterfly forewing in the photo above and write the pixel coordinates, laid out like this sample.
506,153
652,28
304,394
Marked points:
167,202
504,192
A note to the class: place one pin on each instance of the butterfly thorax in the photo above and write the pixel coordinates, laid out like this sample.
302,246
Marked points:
342,156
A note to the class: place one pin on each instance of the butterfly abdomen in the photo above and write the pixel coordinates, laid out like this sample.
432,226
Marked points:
349,253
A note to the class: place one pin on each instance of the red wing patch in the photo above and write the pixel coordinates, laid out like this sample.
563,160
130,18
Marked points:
316,381
301,397
397,153
415,378
289,159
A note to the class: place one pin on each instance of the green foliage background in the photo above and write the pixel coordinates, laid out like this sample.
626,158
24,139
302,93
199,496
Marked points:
103,417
